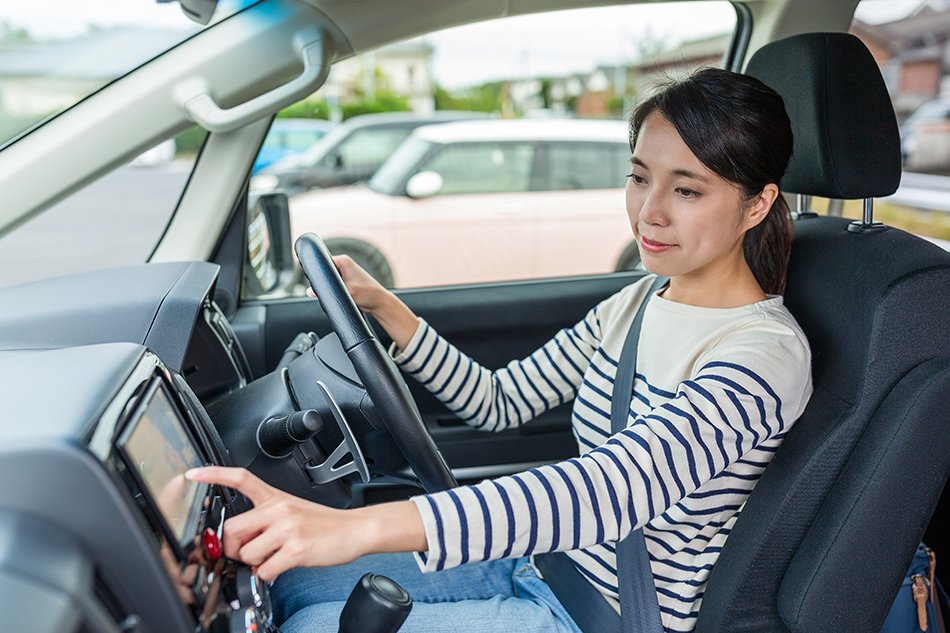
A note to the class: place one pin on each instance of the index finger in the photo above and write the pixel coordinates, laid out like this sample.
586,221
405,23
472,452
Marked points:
237,478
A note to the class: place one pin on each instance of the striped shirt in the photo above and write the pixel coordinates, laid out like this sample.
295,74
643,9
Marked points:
714,394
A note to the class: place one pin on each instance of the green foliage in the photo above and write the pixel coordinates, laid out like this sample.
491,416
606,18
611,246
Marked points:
615,105
13,34
313,108
309,108
484,98
385,101
188,143
546,92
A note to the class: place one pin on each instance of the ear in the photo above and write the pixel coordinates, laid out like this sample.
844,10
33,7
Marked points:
761,206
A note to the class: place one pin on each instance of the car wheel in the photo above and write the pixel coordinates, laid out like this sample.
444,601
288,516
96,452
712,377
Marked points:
629,259
370,259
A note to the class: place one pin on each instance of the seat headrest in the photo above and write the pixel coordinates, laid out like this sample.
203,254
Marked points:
847,144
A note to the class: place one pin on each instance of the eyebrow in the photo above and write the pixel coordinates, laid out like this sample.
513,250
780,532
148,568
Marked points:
687,173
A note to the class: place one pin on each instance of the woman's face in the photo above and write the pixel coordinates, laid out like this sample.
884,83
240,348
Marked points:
688,221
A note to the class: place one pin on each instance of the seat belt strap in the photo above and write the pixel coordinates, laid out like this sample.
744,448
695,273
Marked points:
638,602
586,606
639,609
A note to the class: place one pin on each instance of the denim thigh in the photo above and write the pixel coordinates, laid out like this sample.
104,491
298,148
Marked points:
483,597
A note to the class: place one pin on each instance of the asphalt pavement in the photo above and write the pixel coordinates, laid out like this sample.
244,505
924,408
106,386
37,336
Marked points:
116,221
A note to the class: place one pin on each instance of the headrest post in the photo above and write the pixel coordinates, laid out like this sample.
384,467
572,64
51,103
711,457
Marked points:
804,207
804,203
867,224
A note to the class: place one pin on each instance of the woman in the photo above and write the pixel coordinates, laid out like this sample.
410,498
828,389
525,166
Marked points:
723,371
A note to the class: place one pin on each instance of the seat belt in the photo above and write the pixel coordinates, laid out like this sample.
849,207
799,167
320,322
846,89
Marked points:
640,611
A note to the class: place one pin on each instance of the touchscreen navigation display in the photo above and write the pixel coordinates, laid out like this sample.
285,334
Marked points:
160,450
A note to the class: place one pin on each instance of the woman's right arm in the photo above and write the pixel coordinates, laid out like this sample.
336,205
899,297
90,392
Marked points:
485,399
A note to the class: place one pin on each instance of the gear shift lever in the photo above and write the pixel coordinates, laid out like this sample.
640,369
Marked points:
376,605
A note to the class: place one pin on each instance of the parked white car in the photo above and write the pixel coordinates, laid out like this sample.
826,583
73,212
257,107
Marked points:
485,201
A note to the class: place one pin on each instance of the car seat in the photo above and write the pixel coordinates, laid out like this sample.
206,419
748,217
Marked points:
831,527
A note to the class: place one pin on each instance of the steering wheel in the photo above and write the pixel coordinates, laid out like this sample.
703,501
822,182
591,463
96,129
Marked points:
376,370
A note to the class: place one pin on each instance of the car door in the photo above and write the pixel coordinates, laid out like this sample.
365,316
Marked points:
481,226
583,226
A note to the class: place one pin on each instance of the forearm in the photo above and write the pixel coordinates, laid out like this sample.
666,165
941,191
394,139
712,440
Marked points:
399,321
390,527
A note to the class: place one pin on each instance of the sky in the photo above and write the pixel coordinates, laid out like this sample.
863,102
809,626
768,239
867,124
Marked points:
552,44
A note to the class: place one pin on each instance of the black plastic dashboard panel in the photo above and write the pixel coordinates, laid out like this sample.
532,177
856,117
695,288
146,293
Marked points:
53,402
156,305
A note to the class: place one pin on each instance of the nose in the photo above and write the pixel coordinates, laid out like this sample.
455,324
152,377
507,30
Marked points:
652,210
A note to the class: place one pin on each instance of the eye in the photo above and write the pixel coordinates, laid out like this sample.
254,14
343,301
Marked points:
637,180
687,193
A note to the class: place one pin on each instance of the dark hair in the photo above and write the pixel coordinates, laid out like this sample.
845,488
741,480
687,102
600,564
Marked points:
738,128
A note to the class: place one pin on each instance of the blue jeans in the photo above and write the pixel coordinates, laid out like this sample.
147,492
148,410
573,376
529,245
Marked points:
503,596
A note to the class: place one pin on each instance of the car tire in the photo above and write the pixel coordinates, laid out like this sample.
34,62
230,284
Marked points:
369,259
629,259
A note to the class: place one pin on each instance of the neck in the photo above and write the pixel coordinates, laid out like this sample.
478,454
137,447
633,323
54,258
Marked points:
725,288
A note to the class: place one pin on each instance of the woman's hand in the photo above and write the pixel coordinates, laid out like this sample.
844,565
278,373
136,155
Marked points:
283,531
371,297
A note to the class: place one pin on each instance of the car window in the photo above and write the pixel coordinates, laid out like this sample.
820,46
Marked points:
483,167
393,174
300,139
569,185
898,34
367,147
586,166
135,201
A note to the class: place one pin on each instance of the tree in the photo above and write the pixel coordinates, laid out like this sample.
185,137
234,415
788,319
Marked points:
484,98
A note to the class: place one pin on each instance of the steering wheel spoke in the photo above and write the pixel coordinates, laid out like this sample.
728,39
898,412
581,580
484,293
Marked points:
329,471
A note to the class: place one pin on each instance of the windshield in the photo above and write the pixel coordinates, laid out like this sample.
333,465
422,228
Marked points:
55,53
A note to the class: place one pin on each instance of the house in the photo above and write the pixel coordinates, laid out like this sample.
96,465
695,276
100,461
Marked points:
913,53
37,81
404,68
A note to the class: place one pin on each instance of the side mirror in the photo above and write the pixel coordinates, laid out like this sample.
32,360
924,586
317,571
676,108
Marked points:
425,184
270,263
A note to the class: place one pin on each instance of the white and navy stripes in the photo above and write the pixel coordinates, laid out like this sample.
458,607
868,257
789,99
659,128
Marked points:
714,394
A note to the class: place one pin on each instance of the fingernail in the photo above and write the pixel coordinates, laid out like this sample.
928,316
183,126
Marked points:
194,474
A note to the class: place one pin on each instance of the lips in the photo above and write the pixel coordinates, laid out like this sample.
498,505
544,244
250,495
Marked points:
654,247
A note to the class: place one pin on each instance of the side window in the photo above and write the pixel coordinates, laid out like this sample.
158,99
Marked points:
919,87
585,166
483,167
514,102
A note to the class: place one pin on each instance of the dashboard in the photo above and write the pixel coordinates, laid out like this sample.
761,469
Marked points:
113,384
103,415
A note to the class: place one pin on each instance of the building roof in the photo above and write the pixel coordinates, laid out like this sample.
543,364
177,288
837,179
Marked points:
923,28
691,51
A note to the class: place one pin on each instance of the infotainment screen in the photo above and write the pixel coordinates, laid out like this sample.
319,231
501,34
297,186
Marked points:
158,447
